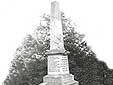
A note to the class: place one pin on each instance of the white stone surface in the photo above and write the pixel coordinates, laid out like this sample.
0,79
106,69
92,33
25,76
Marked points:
67,79
58,67
58,64
56,34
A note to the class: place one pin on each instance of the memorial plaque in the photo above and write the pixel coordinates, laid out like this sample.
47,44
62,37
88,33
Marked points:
58,64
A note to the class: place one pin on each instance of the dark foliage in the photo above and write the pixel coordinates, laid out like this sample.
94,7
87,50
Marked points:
30,63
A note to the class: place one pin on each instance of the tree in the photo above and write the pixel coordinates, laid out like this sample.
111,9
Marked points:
30,63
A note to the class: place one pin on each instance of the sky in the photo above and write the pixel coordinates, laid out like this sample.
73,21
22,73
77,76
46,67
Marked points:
94,18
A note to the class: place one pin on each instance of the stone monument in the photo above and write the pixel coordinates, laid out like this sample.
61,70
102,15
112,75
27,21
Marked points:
58,67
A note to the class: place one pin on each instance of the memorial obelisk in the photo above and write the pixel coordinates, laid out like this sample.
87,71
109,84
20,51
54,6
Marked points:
58,67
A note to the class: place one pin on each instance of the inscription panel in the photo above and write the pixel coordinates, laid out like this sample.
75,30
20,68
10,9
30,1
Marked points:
58,64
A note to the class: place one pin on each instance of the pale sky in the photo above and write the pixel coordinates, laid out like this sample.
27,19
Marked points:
20,17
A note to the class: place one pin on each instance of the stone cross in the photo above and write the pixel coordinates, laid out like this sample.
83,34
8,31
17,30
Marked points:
56,33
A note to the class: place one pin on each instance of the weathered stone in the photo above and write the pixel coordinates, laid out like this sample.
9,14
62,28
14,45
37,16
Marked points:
67,79
58,64
58,67
56,35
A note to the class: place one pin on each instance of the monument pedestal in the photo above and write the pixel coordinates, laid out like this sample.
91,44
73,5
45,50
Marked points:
66,79
58,71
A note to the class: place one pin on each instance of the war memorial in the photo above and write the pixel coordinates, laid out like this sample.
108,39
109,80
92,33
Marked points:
58,68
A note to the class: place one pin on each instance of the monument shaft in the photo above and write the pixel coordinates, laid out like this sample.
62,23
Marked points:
56,35
58,68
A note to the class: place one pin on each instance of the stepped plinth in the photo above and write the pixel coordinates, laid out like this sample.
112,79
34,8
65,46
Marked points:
58,66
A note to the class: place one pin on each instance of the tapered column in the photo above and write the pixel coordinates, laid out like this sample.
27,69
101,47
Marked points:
56,34
58,67
57,63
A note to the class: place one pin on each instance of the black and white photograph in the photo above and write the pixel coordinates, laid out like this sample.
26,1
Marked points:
56,42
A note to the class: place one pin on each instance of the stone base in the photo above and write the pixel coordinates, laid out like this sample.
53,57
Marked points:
67,79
